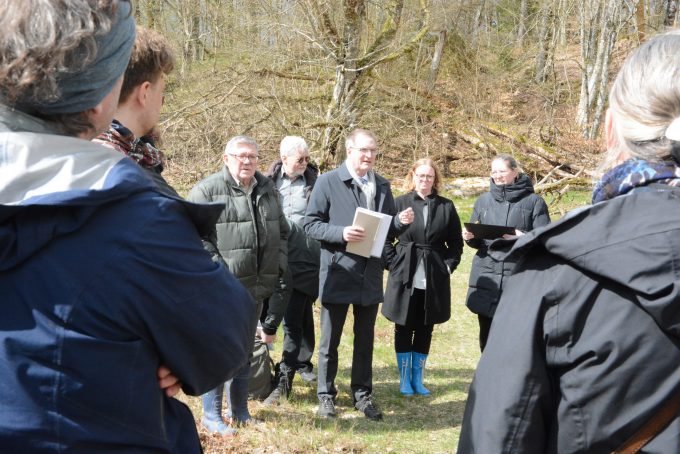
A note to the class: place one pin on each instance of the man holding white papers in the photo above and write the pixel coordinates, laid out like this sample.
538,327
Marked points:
349,279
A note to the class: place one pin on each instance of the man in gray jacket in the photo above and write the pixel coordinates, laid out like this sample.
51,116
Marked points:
251,240
348,279
295,176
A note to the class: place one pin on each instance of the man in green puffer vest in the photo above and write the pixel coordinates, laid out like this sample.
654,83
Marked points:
251,239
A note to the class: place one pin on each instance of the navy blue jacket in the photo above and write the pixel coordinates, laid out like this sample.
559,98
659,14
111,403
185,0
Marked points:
345,278
102,280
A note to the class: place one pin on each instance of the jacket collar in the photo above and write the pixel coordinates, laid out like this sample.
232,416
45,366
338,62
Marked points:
263,183
343,173
311,172
18,121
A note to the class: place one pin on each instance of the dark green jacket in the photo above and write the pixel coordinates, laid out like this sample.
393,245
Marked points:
255,252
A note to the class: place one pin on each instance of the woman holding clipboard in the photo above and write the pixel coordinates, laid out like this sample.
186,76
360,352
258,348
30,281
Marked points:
418,293
510,202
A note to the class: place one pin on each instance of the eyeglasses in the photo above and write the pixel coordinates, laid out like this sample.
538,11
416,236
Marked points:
424,177
302,160
373,151
244,157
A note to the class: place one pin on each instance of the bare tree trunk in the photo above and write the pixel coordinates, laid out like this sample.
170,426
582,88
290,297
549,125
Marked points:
353,63
522,24
543,65
602,20
341,111
153,13
436,60
640,20
670,12
562,12
136,12
477,23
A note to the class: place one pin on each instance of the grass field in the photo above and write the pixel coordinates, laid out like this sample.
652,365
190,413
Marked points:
411,425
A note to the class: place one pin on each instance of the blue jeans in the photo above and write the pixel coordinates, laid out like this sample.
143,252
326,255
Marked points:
237,398
237,392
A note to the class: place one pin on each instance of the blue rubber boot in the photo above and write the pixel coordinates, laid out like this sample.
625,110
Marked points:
404,365
418,366
237,397
212,413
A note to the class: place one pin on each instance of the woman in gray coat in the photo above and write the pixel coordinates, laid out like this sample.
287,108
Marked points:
510,202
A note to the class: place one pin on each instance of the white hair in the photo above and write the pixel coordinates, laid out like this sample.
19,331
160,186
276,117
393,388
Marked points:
235,141
292,144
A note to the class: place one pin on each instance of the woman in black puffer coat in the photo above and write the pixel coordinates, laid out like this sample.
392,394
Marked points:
511,202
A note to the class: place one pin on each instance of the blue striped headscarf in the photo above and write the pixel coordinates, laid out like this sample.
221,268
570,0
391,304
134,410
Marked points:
86,88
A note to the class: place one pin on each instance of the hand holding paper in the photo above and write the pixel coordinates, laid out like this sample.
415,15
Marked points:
353,233
374,227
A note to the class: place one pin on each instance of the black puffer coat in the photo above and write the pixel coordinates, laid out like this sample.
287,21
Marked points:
514,205
585,346
440,245
303,251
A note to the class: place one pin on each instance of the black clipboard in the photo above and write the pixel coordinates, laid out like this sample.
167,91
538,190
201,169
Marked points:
488,231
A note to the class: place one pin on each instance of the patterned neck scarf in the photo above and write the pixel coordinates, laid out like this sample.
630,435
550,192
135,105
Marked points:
635,173
142,150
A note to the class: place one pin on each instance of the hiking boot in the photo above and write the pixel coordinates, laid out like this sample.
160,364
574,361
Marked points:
274,397
307,377
283,388
366,406
326,407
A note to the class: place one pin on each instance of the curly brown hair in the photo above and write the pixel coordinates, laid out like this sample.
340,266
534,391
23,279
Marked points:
151,57
35,51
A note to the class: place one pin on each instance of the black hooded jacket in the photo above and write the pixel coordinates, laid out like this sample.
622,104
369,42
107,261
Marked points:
514,205
585,345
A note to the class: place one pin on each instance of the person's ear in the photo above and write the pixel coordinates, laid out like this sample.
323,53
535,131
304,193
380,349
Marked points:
142,93
609,135
224,158
93,115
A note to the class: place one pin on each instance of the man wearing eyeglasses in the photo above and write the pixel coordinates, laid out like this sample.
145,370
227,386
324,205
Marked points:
251,238
295,176
347,279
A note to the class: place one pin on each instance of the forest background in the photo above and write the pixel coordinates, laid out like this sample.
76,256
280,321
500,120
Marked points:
458,81
455,80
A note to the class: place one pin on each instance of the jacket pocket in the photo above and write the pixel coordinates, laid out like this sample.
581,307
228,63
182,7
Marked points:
344,278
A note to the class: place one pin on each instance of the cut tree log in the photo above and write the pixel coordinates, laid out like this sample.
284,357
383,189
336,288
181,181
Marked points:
558,168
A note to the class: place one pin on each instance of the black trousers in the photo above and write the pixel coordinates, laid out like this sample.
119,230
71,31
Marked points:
332,321
298,334
415,335
484,328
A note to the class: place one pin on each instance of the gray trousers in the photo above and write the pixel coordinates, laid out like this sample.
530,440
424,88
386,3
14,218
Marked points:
332,321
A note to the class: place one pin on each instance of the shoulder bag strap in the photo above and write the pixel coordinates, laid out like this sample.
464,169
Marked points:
652,428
